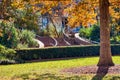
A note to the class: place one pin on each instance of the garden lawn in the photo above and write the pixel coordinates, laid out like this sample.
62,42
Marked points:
47,69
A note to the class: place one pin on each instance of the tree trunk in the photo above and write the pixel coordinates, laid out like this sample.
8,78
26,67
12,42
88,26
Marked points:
105,49
56,32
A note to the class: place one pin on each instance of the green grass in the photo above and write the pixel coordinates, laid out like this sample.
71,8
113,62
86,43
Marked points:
48,68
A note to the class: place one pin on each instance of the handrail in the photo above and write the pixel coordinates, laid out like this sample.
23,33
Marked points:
56,43
67,42
65,33
84,39
41,44
66,36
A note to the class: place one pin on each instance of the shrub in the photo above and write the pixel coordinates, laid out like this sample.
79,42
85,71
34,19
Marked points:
85,32
27,37
20,46
6,53
95,33
14,40
9,36
63,52
92,32
115,39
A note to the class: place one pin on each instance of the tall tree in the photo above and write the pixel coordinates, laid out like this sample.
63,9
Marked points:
80,12
105,50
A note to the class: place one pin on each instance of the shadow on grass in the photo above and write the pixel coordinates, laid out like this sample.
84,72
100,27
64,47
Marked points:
101,72
49,76
57,59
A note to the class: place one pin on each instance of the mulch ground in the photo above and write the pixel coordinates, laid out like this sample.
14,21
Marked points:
93,70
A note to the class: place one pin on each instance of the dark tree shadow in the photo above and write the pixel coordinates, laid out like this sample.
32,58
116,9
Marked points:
101,72
51,76
47,76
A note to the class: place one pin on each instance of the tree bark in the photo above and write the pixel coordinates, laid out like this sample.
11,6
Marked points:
50,17
105,49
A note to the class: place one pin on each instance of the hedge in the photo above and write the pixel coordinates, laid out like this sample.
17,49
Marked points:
63,52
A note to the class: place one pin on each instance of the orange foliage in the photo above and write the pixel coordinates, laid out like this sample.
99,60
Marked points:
83,12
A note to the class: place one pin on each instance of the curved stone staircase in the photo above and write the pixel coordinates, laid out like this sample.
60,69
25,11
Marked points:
75,39
65,41
48,41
